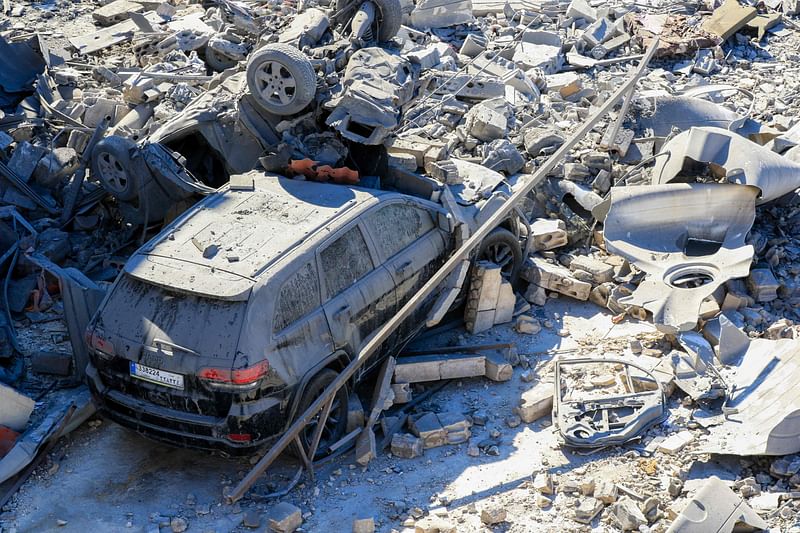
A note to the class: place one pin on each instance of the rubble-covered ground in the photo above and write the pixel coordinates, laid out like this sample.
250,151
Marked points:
497,85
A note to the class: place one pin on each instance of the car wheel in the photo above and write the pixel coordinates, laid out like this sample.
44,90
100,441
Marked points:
281,79
390,16
336,424
217,61
111,165
502,248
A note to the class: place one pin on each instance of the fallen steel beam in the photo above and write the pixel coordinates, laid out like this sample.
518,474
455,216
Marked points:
459,255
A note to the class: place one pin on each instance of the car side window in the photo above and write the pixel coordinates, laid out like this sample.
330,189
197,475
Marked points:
395,226
345,261
299,296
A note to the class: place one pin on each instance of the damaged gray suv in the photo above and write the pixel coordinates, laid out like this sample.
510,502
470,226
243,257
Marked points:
238,314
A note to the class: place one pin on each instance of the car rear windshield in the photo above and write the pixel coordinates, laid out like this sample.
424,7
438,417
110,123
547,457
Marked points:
140,312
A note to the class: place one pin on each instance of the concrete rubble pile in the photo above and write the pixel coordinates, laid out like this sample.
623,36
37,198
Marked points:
680,210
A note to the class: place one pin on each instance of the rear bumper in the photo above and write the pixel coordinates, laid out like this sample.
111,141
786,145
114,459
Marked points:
190,430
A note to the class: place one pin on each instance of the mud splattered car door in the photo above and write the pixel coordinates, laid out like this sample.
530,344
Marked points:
412,247
358,295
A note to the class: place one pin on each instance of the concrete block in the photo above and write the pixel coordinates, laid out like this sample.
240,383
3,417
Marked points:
364,525
366,448
402,392
587,509
527,325
25,158
15,409
676,442
435,367
497,368
406,446
606,492
762,285
506,301
729,18
486,123
554,278
601,272
428,428
284,518
536,402
116,11
549,233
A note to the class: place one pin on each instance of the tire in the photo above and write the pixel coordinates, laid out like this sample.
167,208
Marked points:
337,419
271,70
391,16
503,248
112,166
218,62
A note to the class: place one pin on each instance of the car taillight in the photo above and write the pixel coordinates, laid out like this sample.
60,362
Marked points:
95,339
241,377
240,437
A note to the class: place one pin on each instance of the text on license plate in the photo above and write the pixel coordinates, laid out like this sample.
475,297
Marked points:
154,375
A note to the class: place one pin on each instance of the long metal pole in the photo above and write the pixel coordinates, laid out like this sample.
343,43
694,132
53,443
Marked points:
388,328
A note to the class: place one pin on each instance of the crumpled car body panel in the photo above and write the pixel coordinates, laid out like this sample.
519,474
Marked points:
610,419
737,159
376,86
689,238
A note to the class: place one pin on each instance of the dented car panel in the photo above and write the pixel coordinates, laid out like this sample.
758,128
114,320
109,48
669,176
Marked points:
731,157
586,419
687,258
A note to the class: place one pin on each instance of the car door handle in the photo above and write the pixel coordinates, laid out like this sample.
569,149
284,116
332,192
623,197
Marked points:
400,270
339,312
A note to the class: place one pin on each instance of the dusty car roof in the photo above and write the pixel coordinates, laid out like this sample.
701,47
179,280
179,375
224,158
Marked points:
225,242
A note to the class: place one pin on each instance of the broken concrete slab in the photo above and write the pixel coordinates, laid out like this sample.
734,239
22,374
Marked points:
715,508
729,18
15,408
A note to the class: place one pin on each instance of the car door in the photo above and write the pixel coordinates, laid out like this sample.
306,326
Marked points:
359,296
301,337
412,247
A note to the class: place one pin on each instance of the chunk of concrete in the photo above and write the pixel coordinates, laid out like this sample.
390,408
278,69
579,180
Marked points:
506,301
487,121
729,18
549,233
482,297
15,408
762,285
116,11
601,272
406,446
497,368
536,403
676,442
627,515
493,515
716,507
587,509
364,525
428,428
556,278
527,325
284,518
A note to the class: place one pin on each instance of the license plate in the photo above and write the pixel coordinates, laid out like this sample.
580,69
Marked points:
154,375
